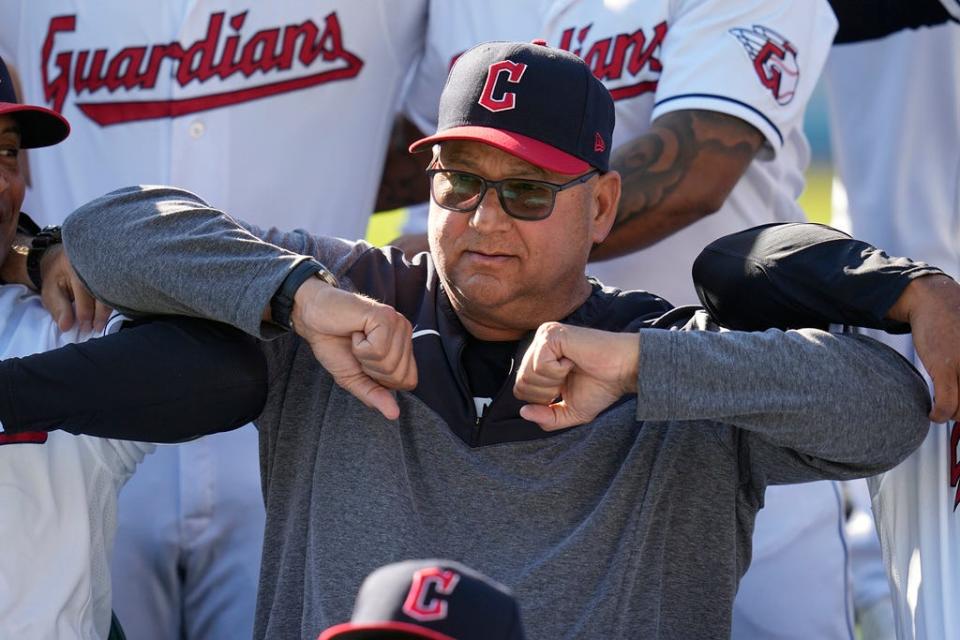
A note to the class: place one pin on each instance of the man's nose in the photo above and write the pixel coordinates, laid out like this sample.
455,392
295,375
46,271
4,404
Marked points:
489,213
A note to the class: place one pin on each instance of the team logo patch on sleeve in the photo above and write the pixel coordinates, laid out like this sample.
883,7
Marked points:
774,59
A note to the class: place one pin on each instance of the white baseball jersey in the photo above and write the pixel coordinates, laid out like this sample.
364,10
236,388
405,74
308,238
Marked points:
758,61
895,125
276,112
58,504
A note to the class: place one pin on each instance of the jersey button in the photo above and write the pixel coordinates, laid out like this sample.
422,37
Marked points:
196,129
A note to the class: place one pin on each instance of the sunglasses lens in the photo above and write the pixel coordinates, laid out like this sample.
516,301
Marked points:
527,200
456,190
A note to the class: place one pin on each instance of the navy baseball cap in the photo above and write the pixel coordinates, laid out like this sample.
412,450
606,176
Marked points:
540,104
39,127
433,599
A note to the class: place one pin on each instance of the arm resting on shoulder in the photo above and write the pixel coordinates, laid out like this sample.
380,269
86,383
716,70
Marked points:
163,380
793,275
807,275
844,405
161,250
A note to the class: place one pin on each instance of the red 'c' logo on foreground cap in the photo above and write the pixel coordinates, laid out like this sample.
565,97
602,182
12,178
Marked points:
507,99
419,604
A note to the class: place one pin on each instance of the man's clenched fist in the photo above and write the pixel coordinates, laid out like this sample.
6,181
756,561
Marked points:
570,374
366,346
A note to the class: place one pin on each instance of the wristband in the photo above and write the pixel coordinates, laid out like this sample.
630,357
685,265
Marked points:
47,237
281,305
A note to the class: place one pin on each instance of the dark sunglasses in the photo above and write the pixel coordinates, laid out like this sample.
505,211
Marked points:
522,199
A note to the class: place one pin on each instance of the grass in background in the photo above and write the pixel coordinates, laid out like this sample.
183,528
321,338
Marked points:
815,199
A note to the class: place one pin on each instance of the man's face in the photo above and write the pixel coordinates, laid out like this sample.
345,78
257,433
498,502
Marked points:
506,276
12,185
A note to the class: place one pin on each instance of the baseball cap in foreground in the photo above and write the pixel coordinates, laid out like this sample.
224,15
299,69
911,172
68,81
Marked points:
39,127
540,104
433,599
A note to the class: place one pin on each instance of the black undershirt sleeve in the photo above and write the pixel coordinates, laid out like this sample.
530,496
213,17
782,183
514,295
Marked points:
160,380
871,19
794,275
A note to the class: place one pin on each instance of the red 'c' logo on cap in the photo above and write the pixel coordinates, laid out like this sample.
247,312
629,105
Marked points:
419,604
507,100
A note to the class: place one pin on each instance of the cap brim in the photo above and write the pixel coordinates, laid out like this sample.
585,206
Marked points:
372,630
39,127
533,151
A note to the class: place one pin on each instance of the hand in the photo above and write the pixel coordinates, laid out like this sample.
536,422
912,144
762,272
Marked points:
66,297
570,374
411,244
931,305
366,346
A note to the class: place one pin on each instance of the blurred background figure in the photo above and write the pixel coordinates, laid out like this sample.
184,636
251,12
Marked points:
58,492
275,112
893,83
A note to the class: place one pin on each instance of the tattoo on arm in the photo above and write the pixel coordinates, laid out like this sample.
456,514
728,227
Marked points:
655,165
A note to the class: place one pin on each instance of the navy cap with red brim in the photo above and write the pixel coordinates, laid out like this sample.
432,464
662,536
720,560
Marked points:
524,147
540,104
39,127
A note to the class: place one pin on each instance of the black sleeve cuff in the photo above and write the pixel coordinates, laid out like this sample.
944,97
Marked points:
163,380
861,20
789,276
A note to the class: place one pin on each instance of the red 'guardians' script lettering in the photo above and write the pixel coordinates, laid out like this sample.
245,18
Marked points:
609,58
220,54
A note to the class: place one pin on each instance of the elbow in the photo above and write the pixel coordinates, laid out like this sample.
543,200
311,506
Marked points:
916,421
709,201
93,228
91,217
906,419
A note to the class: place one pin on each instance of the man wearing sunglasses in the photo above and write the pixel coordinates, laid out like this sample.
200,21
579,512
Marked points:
396,422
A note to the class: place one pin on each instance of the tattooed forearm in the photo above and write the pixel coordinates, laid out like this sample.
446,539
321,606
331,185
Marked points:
678,172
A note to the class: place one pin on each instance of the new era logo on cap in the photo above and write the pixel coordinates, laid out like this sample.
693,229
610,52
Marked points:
540,104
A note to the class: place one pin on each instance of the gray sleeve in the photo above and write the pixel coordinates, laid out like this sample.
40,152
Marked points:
161,250
807,404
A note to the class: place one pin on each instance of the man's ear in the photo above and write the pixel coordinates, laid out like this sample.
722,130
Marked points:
606,197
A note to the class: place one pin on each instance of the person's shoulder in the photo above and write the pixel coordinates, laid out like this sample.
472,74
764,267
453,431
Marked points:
384,273
613,309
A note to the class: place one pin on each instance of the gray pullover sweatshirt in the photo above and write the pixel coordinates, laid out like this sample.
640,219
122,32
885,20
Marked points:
637,525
